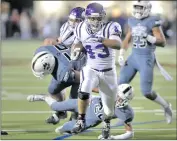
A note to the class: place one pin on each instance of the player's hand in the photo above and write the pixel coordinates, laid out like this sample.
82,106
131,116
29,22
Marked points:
121,60
49,41
75,53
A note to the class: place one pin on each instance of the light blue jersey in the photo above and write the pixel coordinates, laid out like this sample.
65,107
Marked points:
94,113
62,76
142,58
140,44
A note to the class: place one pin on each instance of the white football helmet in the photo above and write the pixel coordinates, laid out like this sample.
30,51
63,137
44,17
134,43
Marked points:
141,9
125,94
43,63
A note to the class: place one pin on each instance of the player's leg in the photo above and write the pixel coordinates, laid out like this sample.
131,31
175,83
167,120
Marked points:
127,72
108,90
56,92
146,80
68,126
74,95
87,83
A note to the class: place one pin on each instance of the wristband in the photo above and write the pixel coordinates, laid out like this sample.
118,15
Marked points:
151,39
121,52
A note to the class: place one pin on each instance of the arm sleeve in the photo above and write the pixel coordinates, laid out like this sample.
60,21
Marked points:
63,27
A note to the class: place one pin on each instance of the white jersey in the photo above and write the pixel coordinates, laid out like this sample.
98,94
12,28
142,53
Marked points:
98,56
67,34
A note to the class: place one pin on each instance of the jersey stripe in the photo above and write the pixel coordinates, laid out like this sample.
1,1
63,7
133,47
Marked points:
64,28
70,35
80,29
77,30
108,31
105,28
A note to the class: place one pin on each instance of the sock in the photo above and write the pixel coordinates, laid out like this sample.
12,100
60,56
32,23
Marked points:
49,100
161,101
81,117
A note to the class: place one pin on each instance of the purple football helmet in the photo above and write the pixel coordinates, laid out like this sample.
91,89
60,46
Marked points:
95,15
76,16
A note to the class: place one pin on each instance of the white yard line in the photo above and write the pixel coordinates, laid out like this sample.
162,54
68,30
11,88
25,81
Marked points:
21,96
46,112
51,130
146,129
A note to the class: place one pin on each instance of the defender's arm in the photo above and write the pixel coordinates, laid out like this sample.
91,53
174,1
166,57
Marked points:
127,39
158,37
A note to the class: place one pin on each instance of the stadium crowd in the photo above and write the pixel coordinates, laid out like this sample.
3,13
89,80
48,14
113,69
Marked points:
23,24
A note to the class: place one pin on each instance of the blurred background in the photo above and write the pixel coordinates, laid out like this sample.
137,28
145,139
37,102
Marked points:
28,19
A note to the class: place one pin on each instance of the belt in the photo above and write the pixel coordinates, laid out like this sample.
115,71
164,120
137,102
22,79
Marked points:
104,70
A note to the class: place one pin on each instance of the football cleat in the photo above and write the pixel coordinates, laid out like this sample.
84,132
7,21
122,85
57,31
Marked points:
33,98
55,118
168,113
79,126
106,130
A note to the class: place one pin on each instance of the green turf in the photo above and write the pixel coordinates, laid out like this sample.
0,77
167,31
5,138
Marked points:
18,82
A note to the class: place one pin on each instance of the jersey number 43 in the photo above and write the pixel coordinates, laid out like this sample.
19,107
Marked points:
102,54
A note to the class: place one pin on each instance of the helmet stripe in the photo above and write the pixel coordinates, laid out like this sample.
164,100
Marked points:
127,89
38,57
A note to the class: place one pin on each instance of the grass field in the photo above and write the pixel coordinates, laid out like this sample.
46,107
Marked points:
24,120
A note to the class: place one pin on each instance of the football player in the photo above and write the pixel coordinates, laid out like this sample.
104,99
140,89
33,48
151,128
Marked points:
66,38
99,39
67,29
55,60
94,113
146,32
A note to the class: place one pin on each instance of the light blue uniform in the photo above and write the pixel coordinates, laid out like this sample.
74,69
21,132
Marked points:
62,75
94,113
142,58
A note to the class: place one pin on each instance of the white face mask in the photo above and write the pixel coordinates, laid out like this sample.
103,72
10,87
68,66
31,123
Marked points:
138,11
141,10
73,22
94,23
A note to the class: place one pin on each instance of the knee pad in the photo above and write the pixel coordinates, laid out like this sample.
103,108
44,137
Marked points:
151,96
83,95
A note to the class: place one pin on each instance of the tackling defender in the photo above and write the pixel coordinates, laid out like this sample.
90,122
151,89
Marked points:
94,113
146,32
99,39
55,60
66,38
